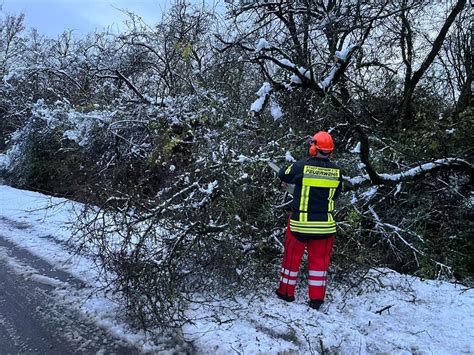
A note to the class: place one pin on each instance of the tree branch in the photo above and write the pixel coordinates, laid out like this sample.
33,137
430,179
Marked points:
414,173
417,75
132,87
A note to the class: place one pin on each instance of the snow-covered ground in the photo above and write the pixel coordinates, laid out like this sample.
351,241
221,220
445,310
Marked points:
397,314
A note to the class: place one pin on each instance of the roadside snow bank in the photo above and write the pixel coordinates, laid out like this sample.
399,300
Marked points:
40,224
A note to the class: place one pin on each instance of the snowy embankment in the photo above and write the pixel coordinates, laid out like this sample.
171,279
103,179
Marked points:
397,314
40,224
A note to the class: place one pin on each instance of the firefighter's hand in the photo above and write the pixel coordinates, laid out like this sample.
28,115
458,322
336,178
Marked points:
284,185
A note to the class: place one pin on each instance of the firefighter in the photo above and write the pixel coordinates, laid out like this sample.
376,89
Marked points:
318,183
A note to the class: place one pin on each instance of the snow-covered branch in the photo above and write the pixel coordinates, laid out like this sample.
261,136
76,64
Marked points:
263,97
342,59
413,173
300,76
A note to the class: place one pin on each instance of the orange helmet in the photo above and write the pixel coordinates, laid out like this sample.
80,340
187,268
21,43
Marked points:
321,141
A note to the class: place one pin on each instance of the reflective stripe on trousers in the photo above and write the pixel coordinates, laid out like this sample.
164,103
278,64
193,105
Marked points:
319,255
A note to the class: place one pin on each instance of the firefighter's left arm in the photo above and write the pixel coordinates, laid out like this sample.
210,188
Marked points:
340,187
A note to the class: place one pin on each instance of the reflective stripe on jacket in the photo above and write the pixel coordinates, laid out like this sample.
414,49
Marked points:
318,183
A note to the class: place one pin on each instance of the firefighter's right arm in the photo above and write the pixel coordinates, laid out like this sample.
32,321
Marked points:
287,174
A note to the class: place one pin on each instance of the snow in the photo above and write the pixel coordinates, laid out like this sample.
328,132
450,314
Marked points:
27,271
419,169
356,149
72,135
40,224
265,89
263,92
348,323
341,55
345,52
275,110
289,157
295,79
210,187
398,189
353,198
257,105
329,78
385,312
242,159
305,72
4,161
357,180
287,62
369,193
262,44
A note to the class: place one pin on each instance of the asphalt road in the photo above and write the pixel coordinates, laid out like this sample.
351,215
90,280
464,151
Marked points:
33,321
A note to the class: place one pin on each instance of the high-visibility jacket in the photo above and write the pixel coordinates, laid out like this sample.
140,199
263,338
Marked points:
318,183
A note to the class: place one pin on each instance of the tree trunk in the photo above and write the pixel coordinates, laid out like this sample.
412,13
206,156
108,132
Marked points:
405,112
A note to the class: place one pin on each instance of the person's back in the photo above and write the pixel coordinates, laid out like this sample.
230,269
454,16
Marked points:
318,183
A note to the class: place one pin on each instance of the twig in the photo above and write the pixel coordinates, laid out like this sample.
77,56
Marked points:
386,308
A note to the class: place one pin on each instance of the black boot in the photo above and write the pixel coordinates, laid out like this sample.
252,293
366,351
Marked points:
315,304
285,297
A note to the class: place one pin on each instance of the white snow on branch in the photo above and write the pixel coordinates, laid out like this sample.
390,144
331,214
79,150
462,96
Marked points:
242,159
263,92
345,52
329,78
361,328
262,44
4,161
265,89
295,79
287,62
359,180
72,135
210,187
370,193
341,56
305,72
356,149
398,189
276,110
419,169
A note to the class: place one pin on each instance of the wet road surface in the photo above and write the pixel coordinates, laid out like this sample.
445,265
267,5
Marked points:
32,320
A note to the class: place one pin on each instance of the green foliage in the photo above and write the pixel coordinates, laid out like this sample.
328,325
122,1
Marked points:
353,218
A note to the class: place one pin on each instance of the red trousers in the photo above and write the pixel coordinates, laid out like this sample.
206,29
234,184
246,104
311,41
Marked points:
319,256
